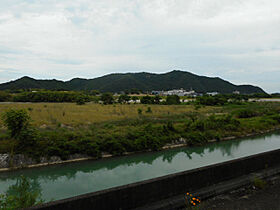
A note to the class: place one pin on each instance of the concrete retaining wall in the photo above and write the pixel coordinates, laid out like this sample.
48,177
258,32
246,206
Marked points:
141,193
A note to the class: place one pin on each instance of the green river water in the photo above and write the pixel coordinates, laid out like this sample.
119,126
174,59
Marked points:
63,181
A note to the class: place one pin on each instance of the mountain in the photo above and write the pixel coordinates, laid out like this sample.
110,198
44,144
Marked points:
142,81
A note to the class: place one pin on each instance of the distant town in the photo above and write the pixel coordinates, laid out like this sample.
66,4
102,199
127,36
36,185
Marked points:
182,92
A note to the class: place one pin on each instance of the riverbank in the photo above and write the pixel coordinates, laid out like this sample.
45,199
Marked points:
26,162
67,180
62,144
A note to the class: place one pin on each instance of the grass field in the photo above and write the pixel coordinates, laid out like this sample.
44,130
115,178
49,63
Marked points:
71,114
94,129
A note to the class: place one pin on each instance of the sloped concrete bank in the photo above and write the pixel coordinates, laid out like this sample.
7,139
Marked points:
146,193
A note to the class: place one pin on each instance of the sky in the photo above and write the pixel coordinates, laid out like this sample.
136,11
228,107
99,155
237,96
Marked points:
238,40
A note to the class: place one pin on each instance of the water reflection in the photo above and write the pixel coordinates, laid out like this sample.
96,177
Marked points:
26,185
69,170
63,181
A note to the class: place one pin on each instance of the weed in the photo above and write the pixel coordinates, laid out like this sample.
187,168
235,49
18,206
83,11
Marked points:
139,111
259,183
149,110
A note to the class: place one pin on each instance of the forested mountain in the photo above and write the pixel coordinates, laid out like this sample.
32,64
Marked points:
141,81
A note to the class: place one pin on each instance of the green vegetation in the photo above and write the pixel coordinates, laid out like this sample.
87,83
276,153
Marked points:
4,96
107,98
174,99
51,96
17,121
21,195
117,129
259,183
124,99
134,82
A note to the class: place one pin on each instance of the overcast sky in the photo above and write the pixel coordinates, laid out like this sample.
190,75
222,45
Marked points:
236,40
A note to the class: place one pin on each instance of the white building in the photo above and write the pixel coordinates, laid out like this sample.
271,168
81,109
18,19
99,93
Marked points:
212,93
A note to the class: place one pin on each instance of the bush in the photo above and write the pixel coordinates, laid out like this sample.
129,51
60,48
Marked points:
276,117
259,183
139,111
4,96
196,138
124,98
147,100
246,113
173,99
211,100
80,100
27,140
113,146
149,110
198,125
92,149
107,98
168,127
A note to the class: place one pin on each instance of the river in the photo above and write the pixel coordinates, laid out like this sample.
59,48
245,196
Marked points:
63,181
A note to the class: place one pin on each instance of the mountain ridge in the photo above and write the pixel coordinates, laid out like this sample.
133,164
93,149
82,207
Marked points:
144,81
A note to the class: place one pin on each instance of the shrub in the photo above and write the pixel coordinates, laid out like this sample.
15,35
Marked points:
113,147
124,98
139,111
80,100
276,117
149,110
170,126
196,138
246,113
4,96
27,140
198,125
259,183
107,98
147,100
92,149
173,99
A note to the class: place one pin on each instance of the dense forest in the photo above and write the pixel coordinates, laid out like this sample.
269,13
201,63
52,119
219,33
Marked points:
136,81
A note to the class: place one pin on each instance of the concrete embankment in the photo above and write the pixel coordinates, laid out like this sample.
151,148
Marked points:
146,193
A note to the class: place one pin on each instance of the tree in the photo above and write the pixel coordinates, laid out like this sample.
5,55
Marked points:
157,99
135,98
80,100
147,100
4,96
173,99
94,92
107,98
124,98
16,121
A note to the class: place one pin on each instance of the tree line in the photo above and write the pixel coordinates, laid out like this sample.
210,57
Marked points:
81,97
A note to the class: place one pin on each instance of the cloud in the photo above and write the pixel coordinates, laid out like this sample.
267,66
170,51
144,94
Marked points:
65,39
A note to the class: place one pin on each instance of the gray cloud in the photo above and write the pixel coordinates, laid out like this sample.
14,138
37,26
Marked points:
236,40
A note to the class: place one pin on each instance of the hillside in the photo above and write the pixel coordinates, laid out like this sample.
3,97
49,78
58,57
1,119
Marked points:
141,81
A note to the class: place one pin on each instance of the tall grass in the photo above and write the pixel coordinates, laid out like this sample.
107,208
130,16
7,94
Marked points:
73,115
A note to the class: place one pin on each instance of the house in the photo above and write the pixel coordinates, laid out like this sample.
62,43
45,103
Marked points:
212,93
236,92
